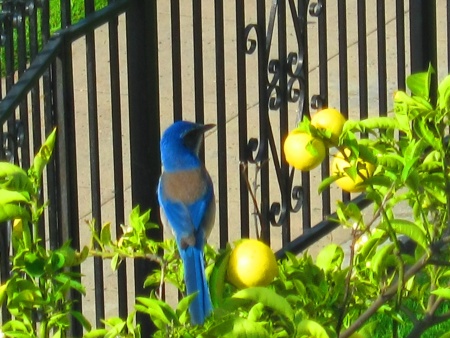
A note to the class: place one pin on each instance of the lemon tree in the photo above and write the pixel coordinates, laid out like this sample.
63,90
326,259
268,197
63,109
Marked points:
331,122
252,263
303,151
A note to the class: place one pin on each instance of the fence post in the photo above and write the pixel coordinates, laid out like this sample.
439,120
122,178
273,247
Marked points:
65,159
144,124
423,43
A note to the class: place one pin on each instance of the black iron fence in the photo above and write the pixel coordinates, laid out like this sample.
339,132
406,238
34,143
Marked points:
112,81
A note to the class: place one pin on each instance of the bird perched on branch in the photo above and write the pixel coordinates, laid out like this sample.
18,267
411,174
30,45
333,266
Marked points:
186,197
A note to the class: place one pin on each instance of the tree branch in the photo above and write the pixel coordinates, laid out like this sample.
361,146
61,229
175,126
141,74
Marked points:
393,288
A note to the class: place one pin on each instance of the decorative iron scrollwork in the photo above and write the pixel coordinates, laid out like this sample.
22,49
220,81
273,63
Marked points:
315,8
292,70
12,140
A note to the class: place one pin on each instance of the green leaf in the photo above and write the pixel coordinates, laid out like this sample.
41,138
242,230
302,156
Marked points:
105,234
115,262
239,328
256,312
12,211
422,128
419,83
327,182
311,328
442,292
10,196
82,320
43,156
379,260
182,307
444,94
34,265
267,297
15,326
160,312
3,293
370,124
330,258
247,328
408,228
12,177
70,281
96,333
218,277
58,260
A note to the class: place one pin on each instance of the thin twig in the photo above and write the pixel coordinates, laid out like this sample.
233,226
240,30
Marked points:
244,169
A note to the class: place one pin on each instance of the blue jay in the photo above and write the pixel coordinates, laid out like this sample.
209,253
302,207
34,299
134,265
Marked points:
186,198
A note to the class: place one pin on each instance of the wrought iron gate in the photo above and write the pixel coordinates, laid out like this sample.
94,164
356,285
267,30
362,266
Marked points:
287,58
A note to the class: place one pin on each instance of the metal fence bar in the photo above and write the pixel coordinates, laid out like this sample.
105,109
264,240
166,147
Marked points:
362,60
319,230
304,108
49,123
322,100
423,42
221,123
199,96
143,92
23,106
241,49
382,72
176,60
343,67
65,157
94,162
263,100
279,160
36,113
401,58
116,125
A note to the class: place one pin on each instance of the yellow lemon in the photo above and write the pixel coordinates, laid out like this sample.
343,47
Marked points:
303,151
252,263
346,183
17,228
329,119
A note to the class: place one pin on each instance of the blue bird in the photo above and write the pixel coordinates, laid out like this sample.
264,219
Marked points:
186,198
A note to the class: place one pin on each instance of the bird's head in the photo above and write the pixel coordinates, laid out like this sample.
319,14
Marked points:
180,144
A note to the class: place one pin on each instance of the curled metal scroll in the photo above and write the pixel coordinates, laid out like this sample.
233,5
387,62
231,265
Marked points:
315,8
12,140
279,211
292,70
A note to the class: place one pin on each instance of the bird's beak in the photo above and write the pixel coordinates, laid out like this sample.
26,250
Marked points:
207,127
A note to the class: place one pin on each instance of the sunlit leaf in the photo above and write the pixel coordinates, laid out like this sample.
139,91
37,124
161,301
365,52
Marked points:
379,260
444,94
218,277
327,182
330,257
409,229
267,297
310,328
442,292
43,156
419,83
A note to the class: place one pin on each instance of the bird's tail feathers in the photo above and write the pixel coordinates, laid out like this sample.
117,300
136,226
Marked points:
195,278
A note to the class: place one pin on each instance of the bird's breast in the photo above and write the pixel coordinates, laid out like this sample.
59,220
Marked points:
186,186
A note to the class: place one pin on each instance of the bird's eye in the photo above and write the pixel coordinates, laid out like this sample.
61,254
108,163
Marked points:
192,139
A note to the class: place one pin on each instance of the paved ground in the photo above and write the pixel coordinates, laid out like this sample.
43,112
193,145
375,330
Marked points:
339,236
